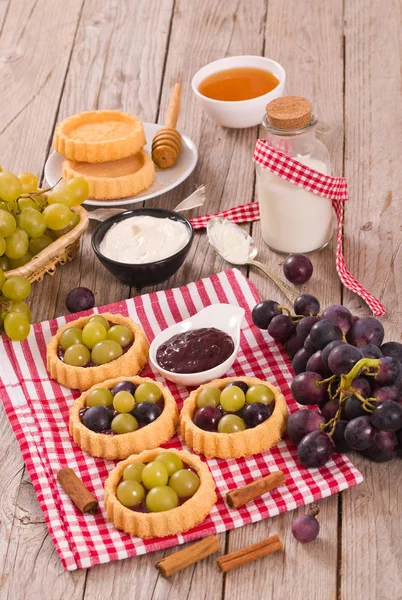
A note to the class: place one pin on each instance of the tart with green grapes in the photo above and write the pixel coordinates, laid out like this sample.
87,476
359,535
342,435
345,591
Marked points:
123,416
92,349
158,493
233,417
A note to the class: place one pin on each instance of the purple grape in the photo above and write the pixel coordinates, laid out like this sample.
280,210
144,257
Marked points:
256,413
302,422
393,349
359,433
304,325
97,418
340,315
387,416
355,318
362,386
309,346
281,328
297,268
306,305
328,348
305,528
384,447
293,345
366,330
315,449
342,359
263,312
207,418
79,299
299,361
316,364
370,351
329,410
338,437
324,332
390,371
353,408
240,384
306,388
388,392
146,412
124,386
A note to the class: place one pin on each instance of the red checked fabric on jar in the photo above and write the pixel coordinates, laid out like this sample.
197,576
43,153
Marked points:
334,188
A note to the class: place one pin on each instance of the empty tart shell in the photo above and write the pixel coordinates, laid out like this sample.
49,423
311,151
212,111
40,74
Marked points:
82,378
123,445
99,136
233,445
116,179
170,522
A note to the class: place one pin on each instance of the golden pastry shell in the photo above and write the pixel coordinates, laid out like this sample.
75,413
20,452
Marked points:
82,378
170,522
233,445
121,446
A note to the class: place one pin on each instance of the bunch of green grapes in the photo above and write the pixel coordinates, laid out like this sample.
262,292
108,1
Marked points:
15,315
31,219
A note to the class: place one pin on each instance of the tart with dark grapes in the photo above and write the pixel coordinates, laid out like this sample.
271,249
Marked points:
233,417
159,492
92,349
123,416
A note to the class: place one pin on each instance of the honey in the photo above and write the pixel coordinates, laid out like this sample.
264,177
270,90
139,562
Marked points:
239,83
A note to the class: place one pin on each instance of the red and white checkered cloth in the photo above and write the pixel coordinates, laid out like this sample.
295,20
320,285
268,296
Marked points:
38,411
334,188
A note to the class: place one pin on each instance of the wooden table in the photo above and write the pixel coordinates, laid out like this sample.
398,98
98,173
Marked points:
58,58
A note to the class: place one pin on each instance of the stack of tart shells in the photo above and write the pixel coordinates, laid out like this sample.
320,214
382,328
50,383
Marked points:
106,147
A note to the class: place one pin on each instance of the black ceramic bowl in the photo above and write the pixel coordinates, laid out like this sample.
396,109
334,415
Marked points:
141,275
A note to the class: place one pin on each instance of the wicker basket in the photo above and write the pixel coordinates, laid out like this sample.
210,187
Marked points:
58,252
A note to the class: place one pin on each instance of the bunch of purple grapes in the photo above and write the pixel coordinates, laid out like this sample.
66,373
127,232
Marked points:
344,369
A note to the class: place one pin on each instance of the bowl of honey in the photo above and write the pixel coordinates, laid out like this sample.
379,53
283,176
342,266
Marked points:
234,91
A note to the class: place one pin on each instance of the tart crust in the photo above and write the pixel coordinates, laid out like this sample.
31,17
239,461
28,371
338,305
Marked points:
128,364
123,445
170,522
116,179
233,445
99,136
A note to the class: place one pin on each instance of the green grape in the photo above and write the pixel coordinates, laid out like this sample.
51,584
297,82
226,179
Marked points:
27,203
120,334
259,393
147,392
80,188
2,245
104,352
171,461
17,244
10,186
15,263
2,278
185,483
161,498
4,263
77,355
123,402
100,397
39,244
101,320
75,219
63,196
155,474
16,288
130,493
57,216
124,423
16,326
231,424
29,182
209,396
133,472
232,398
93,333
69,337
33,222
21,307
8,224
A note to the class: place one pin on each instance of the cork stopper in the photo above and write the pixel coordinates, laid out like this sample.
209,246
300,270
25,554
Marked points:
289,112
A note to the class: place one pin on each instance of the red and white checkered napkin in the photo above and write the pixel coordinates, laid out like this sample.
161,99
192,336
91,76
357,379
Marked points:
38,411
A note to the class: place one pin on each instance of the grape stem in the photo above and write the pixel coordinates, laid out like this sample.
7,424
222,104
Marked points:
314,510
285,309
362,364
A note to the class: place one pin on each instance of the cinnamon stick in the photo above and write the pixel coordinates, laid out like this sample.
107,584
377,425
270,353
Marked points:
77,492
188,556
253,490
249,553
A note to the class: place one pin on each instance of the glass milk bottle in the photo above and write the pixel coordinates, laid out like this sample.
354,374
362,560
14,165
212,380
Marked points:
293,219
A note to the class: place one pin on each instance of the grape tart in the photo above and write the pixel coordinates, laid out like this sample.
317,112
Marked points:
113,445
183,517
130,362
246,440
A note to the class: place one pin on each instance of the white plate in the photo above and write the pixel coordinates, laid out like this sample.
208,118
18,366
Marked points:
165,179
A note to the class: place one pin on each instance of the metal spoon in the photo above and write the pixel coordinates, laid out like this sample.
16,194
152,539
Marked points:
289,292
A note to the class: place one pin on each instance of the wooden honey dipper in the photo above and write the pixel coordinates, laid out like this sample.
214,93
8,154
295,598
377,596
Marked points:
166,145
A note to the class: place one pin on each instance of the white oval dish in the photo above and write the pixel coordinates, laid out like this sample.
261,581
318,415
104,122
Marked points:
226,317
